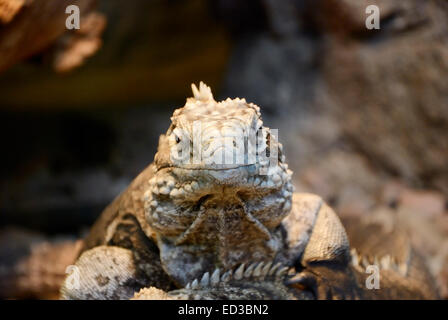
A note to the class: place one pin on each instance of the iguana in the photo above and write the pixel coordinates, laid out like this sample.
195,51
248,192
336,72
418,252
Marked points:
219,197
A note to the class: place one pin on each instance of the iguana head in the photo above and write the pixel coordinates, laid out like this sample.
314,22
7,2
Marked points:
221,185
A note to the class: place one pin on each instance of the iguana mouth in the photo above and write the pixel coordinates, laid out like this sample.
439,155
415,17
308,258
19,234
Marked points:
201,167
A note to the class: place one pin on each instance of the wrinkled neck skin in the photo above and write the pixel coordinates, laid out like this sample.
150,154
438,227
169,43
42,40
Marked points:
207,218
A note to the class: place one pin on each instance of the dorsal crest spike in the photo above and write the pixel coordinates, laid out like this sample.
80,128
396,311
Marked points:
204,93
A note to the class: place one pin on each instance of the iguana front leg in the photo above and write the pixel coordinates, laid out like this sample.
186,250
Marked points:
319,247
104,272
314,233
128,262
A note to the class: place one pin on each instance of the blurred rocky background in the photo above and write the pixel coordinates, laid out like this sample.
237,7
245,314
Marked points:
363,114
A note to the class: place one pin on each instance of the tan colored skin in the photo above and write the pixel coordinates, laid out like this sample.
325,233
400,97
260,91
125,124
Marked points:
177,220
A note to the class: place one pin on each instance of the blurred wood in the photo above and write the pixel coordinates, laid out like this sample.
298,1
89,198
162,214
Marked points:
74,47
31,26
152,51
9,8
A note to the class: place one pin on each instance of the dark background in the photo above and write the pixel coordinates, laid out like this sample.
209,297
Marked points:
363,114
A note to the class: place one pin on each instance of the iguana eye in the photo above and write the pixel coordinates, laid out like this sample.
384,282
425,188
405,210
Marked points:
177,133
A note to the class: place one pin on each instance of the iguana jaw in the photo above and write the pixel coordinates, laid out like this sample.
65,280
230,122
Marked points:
193,206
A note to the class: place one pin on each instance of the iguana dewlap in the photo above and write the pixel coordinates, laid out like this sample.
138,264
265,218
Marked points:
219,196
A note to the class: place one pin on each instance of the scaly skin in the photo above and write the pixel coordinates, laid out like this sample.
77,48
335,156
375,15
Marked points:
186,215
259,281
402,273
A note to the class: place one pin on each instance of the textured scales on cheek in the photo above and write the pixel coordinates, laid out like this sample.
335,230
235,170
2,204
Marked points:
221,187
